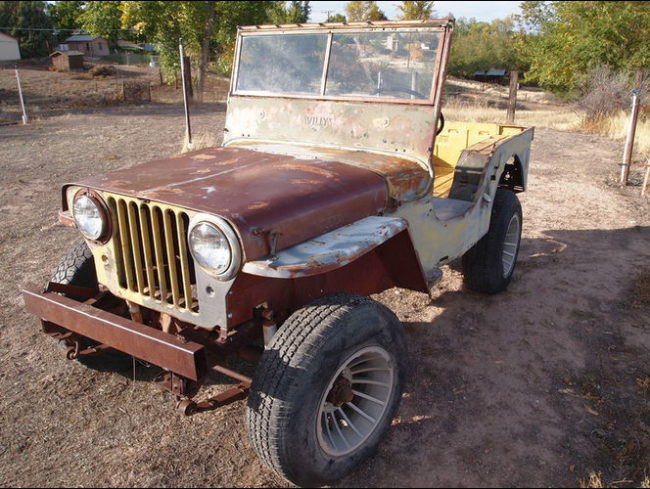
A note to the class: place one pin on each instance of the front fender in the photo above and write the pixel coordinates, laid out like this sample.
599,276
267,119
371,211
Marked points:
336,249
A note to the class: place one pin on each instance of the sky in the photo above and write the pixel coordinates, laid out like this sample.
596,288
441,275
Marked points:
479,10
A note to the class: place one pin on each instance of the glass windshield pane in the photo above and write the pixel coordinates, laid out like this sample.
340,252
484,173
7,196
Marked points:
383,64
282,64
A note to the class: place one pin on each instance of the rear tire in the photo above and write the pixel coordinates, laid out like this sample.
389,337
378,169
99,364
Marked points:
78,268
489,265
332,353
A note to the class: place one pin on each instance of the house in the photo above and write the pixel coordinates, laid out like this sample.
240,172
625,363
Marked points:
67,60
9,49
89,45
493,75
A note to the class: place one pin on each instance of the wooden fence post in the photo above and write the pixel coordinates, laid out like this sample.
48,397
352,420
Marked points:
187,73
187,86
512,97
22,100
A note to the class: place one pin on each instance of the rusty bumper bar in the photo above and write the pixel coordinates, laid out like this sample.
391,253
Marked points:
184,358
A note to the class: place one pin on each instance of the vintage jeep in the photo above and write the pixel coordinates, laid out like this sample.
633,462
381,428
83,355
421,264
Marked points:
338,178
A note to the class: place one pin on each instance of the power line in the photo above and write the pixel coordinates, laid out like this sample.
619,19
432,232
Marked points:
53,29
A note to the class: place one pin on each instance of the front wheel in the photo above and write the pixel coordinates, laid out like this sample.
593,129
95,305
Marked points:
327,388
489,265
78,268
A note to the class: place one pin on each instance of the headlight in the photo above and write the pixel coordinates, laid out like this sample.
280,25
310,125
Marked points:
89,216
210,248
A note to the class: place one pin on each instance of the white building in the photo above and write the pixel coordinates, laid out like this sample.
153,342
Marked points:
9,50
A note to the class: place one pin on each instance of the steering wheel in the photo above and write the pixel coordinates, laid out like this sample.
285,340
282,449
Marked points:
408,91
441,123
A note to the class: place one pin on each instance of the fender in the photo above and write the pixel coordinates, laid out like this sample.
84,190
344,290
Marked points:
337,249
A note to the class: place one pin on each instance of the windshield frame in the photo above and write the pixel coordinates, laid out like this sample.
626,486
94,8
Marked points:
329,29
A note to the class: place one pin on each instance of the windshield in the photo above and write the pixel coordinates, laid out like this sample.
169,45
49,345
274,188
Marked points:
355,64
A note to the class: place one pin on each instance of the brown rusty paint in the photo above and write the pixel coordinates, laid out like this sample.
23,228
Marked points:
407,179
143,342
295,198
65,218
393,264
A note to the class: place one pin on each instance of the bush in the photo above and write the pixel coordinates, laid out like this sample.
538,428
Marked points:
102,70
604,93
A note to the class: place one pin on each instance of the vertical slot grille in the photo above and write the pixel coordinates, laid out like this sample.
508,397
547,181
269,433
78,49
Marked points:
152,254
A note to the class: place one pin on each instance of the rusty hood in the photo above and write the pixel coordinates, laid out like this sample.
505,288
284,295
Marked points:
258,193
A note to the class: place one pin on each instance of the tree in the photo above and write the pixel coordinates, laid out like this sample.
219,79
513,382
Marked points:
479,46
205,45
337,18
534,13
416,10
363,11
65,15
164,22
103,18
23,16
569,39
290,12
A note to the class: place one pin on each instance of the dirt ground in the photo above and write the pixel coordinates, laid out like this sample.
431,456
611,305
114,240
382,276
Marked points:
537,386
48,93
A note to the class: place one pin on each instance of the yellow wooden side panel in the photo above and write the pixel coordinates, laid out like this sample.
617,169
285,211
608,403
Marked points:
456,138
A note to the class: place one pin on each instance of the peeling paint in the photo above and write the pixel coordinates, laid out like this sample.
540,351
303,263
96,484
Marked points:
329,251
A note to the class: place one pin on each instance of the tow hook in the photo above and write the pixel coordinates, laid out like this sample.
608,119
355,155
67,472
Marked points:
73,351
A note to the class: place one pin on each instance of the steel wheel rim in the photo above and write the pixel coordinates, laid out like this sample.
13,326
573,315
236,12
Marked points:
341,429
511,245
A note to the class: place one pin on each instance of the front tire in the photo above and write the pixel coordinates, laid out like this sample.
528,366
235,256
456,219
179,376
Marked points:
78,268
488,266
327,388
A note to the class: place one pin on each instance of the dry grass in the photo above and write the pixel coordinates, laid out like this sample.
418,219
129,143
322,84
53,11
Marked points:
200,141
561,118
593,481
616,126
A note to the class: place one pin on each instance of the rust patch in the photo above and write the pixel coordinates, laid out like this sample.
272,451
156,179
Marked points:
258,205
304,181
309,169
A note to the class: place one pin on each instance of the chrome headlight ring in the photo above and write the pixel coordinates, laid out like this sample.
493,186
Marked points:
228,271
91,216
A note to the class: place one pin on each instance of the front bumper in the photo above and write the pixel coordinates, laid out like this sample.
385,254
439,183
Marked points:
184,358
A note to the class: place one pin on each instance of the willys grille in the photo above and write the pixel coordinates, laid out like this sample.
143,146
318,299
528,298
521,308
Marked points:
152,254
